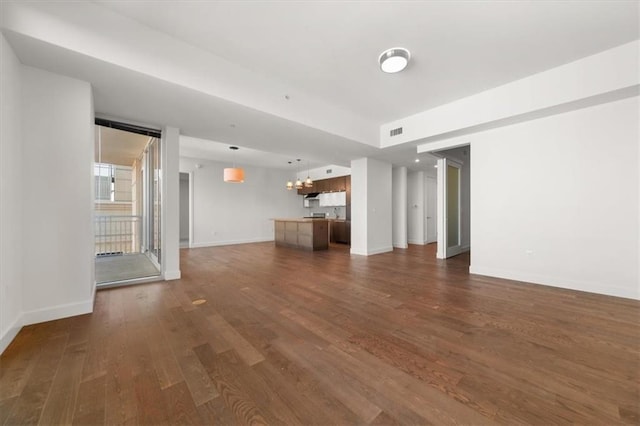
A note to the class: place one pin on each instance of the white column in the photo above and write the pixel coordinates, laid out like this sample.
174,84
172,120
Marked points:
371,207
399,207
170,203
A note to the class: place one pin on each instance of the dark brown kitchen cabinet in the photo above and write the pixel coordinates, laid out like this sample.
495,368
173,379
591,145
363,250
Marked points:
337,184
341,232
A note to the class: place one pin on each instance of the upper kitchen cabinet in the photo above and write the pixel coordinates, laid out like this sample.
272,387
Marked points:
337,184
305,191
320,185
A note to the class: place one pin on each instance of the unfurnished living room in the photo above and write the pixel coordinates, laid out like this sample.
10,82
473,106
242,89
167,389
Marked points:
319,212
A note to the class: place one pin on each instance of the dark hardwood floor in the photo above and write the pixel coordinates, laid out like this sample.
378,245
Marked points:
290,337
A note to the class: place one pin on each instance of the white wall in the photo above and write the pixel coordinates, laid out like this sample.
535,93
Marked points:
359,185
227,213
399,207
416,208
57,177
325,172
379,222
170,149
11,223
555,200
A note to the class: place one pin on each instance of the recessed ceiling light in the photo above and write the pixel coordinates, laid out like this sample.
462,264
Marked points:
417,160
394,59
436,166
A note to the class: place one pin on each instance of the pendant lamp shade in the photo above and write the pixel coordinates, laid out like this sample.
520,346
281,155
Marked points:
299,184
308,183
289,182
234,174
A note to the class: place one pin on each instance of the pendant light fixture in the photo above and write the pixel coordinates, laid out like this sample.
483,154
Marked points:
289,182
233,174
308,183
299,184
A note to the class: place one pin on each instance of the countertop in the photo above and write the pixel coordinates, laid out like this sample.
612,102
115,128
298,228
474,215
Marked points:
296,219
306,219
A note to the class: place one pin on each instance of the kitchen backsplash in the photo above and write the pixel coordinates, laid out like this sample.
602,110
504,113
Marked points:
330,211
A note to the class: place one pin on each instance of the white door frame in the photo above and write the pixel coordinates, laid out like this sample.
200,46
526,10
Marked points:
443,251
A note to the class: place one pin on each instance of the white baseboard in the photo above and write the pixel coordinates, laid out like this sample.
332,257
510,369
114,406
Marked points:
588,287
231,242
373,251
10,334
418,242
401,246
172,275
57,312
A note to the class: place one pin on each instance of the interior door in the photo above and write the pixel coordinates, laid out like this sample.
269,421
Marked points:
431,210
449,204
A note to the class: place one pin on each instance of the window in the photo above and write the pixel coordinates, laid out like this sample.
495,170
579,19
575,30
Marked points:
112,182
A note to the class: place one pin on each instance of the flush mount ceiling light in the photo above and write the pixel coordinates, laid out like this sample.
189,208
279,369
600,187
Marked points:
234,174
394,59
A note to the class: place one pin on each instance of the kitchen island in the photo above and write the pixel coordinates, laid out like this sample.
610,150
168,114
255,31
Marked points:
302,233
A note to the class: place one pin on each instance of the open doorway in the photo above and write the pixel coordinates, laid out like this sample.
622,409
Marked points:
127,220
454,201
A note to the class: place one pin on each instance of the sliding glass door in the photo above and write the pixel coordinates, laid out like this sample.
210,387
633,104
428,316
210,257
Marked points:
128,187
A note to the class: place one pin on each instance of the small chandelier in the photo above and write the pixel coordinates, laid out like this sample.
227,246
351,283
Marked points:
308,183
289,183
299,184
233,174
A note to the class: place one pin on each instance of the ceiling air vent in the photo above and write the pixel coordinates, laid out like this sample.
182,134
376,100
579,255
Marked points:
395,132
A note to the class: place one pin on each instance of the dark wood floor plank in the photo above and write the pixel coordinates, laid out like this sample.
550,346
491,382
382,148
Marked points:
274,409
18,362
152,409
28,407
292,337
329,375
215,412
6,408
237,400
90,407
248,353
63,393
120,400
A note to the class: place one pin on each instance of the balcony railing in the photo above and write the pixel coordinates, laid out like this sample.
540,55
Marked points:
116,235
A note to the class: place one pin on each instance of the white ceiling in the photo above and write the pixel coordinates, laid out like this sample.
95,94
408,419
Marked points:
330,48
115,146
219,70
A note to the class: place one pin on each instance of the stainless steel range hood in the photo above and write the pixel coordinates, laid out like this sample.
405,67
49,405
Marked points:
312,196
